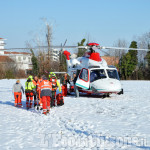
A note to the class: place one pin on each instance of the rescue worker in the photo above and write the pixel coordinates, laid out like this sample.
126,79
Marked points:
29,86
17,88
75,87
55,83
35,82
63,81
45,87
39,93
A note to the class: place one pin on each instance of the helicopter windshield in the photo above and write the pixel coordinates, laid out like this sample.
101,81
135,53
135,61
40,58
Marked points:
97,74
113,74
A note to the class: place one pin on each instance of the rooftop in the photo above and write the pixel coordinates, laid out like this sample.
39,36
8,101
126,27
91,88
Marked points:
5,59
23,53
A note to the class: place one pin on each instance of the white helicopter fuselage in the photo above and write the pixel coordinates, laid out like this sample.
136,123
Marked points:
94,76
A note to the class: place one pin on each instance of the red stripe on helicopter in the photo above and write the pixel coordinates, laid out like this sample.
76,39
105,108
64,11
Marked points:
93,44
67,54
95,56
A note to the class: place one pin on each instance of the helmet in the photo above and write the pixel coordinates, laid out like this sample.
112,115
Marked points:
52,74
30,77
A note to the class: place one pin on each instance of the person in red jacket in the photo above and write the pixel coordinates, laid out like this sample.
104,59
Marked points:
46,94
40,105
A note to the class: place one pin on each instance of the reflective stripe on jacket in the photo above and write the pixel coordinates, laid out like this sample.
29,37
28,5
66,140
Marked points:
45,87
29,85
53,83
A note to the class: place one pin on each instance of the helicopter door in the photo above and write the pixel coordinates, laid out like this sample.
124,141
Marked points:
83,79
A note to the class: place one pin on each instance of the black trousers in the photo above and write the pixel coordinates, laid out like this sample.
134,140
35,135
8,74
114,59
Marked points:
53,98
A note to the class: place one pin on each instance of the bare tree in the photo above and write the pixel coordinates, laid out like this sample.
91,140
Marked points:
118,53
43,42
143,42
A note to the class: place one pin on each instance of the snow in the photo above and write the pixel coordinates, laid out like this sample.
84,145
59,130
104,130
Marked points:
118,122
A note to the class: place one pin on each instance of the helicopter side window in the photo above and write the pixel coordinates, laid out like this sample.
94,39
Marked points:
97,74
84,75
113,74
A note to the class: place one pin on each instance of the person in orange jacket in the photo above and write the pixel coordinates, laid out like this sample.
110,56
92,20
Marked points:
17,87
40,105
55,84
46,94
35,82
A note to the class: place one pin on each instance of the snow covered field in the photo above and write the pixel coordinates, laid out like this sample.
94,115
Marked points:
119,122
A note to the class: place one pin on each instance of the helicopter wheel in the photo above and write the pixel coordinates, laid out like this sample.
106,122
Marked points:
106,95
121,92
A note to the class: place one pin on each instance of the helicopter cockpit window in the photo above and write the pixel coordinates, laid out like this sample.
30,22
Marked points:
97,74
84,75
113,74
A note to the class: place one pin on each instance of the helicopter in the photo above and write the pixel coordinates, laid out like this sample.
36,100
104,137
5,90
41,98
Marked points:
94,75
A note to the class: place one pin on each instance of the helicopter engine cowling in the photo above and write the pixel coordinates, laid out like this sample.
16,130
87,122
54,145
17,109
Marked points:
95,63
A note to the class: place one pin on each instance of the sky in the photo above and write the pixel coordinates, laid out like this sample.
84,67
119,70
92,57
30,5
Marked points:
101,21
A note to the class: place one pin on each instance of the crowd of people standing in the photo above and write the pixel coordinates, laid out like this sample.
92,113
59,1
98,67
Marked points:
41,92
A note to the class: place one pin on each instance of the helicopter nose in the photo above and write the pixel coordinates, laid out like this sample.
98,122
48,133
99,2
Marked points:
107,85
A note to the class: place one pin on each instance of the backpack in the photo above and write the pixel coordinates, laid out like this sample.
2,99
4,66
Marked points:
60,99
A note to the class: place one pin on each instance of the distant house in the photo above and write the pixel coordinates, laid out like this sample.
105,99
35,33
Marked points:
54,54
111,60
22,60
6,62
2,44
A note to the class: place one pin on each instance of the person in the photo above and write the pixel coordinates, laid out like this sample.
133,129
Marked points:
55,84
75,87
64,80
46,94
17,88
93,76
29,86
39,93
35,82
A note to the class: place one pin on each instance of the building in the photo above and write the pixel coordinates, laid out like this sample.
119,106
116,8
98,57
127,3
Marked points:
21,60
54,54
6,62
2,44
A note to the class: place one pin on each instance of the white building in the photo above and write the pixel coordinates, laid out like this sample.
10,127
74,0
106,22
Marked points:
54,54
2,44
22,60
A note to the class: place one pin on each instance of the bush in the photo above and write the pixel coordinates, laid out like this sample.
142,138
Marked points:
9,74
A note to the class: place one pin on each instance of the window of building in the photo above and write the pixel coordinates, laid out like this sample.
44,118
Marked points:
19,58
24,58
29,60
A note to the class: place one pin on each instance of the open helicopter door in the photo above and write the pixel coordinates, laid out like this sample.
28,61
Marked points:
83,79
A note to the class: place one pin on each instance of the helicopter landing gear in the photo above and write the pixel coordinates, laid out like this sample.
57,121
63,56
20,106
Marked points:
106,95
76,90
121,92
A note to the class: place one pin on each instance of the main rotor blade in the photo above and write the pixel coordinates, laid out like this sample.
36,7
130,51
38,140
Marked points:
46,47
123,48
82,47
